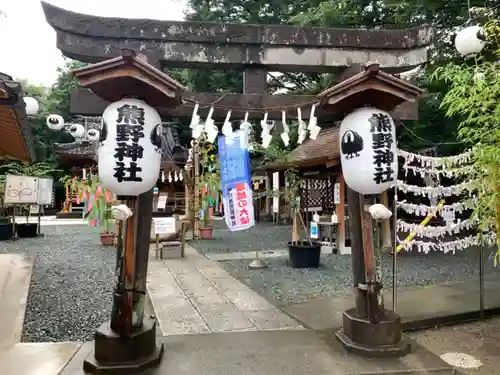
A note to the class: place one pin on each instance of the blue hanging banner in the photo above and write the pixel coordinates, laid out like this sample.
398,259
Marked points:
236,185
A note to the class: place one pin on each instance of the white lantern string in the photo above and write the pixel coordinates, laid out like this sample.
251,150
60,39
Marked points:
55,122
470,41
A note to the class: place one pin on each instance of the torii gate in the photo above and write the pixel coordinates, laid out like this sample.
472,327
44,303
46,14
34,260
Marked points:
255,49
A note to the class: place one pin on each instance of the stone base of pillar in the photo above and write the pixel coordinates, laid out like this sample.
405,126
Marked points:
113,355
382,339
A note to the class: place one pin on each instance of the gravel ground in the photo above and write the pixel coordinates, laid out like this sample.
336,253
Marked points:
71,284
264,236
283,284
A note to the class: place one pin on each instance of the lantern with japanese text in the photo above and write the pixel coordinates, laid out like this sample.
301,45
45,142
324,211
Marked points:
368,153
129,154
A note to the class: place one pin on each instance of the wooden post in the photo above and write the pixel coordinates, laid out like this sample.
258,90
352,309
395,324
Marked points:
196,189
386,225
340,212
267,197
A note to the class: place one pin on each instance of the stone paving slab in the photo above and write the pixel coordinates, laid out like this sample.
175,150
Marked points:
283,352
37,359
195,295
15,276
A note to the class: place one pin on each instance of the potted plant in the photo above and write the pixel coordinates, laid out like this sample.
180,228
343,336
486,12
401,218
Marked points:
209,188
27,230
210,185
34,170
301,253
97,207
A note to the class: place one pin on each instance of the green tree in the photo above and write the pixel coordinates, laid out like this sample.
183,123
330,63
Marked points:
474,90
55,101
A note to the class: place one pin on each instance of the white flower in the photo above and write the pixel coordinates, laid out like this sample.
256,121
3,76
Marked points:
379,212
121,212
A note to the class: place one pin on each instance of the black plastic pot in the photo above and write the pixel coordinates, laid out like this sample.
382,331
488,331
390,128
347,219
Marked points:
29,230
303,255
6,231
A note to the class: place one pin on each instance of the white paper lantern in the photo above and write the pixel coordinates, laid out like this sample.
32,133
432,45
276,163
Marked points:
130,154
93,134
32,106
77,131
468,42
55,122
368,154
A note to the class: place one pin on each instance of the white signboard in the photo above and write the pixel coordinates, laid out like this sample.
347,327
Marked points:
164,225
21,189
45,191
336,193
162,202
276,186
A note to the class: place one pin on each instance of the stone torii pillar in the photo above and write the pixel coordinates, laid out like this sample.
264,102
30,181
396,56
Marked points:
127,344
368,328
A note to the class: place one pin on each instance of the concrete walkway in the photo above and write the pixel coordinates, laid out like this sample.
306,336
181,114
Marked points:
195,295
15,275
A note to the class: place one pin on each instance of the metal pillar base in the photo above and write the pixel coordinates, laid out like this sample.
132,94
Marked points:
113,355
257,264
382,339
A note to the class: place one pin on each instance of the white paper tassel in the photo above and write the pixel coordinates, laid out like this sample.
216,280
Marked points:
227,128
169,176
181,176
195,119
162,176
175,176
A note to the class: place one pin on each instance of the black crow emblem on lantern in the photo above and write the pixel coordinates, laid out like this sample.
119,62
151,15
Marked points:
156,137
104,132
352,144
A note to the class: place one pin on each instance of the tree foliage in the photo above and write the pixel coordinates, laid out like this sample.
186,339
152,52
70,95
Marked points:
474,91
55,101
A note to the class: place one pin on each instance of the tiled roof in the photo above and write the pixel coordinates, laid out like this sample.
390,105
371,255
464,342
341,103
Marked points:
326,146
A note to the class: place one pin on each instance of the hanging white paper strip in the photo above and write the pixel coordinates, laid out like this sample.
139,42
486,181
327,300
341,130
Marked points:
430,231
450,246
423,210
438,191
434,162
